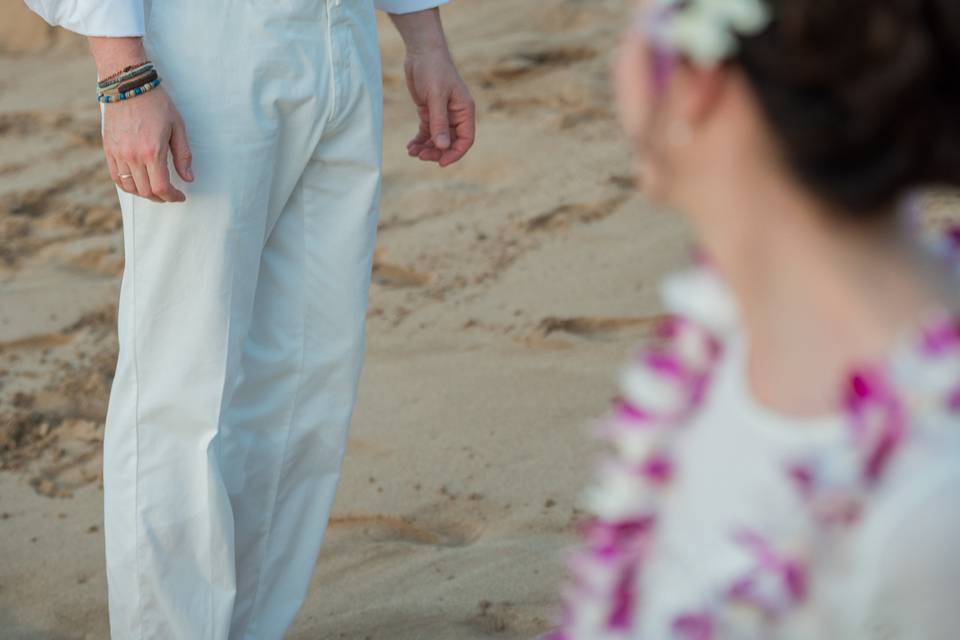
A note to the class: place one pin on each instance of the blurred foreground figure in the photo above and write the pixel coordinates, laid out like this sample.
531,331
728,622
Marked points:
786,457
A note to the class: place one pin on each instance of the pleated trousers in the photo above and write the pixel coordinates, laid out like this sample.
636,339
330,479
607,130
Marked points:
241,318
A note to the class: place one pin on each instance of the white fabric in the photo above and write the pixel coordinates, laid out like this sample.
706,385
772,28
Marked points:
241,319
408,6
894,576
119,18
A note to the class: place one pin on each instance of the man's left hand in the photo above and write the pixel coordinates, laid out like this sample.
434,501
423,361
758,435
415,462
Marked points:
448,114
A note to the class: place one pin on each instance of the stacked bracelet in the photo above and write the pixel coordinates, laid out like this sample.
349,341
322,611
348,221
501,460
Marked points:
128,83
120,97
125,74
137,82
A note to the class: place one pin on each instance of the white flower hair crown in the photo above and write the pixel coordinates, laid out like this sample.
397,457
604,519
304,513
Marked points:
706,31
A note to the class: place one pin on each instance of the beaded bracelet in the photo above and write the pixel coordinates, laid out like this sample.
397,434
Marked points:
125,74
120,97
139,81
130,84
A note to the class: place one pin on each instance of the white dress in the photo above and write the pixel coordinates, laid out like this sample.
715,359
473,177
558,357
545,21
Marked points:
717,519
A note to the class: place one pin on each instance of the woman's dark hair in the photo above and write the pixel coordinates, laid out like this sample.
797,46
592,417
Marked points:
863,94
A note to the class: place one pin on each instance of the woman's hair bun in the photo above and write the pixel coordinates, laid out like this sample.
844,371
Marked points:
863,94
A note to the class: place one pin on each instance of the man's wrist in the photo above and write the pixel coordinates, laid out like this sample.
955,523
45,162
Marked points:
115,54
422,31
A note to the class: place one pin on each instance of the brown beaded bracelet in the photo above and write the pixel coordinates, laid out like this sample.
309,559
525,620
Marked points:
125,74
138,81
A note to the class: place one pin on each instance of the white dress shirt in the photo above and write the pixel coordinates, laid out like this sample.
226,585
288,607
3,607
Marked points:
118,18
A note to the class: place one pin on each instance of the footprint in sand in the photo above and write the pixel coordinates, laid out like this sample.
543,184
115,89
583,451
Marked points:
590,327
36,342
361,447
523,63
625,182
104,261
12,167
78,132
394,276
584,213
388,275
36,203
501,617
384,528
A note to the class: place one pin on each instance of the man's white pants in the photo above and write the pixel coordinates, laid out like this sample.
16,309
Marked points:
241,318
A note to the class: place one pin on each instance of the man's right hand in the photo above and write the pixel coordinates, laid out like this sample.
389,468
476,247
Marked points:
137,136
139,133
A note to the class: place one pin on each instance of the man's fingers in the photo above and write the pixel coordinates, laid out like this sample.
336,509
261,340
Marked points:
454,153
447,130
124,178
440,121
414,152
421,141
430,155
465,132
180,148
142,179
160,182
415,149
114,172
423,134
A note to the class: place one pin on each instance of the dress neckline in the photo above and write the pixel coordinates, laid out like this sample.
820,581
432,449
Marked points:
827,428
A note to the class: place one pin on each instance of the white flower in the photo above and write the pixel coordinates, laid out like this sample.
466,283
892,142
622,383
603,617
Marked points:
653,392
636,444
620,494
706,31
701,296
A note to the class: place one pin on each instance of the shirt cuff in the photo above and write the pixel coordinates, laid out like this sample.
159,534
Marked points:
407,6
107,18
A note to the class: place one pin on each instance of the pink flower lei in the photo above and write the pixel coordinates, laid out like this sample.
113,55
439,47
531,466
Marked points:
664,389
602,597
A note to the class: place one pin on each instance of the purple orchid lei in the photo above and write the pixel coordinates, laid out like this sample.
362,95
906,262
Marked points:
663,390
602,599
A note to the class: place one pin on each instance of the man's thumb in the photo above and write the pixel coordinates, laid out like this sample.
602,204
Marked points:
180,148
440,122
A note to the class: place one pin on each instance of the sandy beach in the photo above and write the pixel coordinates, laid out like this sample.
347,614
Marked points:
507,290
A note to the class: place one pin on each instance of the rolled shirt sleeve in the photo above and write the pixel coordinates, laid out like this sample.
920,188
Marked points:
111,18
407,6
124,18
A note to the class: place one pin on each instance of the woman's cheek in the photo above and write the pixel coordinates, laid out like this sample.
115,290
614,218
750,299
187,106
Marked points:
632,75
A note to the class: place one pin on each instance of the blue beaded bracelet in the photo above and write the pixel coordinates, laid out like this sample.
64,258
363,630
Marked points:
133,93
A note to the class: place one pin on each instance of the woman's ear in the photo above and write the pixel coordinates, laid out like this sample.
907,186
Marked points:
700,92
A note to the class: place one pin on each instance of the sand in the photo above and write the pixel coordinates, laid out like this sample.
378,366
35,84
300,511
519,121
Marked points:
506,292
